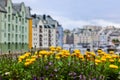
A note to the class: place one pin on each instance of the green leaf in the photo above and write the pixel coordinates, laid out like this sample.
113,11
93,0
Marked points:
60,63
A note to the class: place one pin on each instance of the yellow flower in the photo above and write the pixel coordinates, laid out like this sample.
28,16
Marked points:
98,57
76,51
57,57
59,54
111,60
93,54
73,54
97,61
108,57
99,51
111,52
58,48
22,57
33,60
36,53
103,59
39,55
113,66
27,63
50,53
27,54
34,56
119,60
87,53
20,60
81,57
52,48
43,52
27,60
66,54
115,56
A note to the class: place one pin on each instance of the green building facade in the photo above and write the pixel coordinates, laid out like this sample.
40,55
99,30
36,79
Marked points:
14,26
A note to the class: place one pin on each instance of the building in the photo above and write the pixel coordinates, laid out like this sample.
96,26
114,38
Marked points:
68,37
44,31
76,39
86,37
14,26
104,35
60,36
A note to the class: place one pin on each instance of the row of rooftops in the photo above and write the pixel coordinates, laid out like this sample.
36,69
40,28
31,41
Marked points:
16,8
47,20
112,31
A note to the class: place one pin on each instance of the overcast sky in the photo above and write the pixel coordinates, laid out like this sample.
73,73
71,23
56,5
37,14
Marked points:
76,13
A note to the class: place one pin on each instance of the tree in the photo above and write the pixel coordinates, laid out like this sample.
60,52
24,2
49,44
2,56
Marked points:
115,40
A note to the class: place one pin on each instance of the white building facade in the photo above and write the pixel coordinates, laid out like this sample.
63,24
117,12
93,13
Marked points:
44,31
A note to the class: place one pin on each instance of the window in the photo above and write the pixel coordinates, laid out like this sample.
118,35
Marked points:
19,36
8,45
12,27
23,45
25,28
8,27
40,44
40,26
22,37
12,17
23,13
12,35
5,26
5,16
8,37
22,21
22,29
16,28
16,37
40,30
16,20
4,34
16,45
26,21
53,26
8,9
9,18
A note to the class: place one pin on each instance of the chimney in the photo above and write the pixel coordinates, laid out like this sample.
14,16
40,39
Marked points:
44,17
34,16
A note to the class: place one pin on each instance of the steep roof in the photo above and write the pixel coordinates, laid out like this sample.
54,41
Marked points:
28,14
2,9
36,19
2,5
16,8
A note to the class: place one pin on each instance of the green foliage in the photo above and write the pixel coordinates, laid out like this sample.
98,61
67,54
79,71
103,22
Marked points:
49,68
